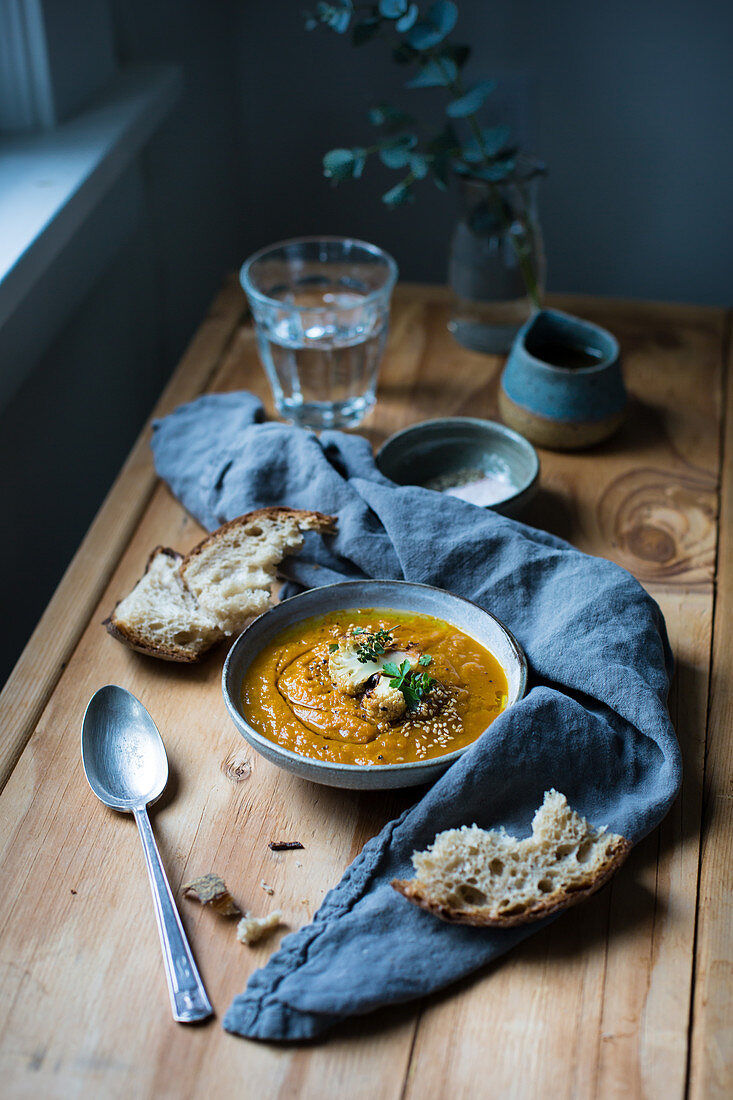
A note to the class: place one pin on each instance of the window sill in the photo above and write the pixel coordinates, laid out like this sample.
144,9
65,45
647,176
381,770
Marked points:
51,182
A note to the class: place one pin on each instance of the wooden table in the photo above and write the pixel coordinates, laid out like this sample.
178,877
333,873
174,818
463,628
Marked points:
628,995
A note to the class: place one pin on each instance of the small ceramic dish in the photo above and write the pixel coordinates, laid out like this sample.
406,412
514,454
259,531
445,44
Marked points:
435,453
396,595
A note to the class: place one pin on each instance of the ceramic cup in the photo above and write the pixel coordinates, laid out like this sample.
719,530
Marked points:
562,386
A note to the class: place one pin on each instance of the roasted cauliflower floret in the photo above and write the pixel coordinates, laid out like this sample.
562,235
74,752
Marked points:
352,676
347,672
384,702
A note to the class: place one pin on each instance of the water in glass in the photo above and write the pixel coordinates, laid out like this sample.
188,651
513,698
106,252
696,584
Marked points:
322,363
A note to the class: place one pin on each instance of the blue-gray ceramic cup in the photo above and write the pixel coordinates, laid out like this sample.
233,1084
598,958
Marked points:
562,386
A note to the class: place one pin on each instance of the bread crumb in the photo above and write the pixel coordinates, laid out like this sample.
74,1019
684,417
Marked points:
252,929
267,888
211,890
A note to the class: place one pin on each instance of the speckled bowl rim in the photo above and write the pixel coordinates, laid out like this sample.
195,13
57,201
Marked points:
376,770
458,421
609,361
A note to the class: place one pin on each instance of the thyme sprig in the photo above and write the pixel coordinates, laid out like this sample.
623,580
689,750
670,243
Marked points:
374,645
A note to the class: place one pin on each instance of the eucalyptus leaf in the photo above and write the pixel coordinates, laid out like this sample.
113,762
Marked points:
343,164
336,15
405,141
472,151
423,41
394,156
398,195
497,172
472,101
408,19
434,74
438,23
397,153
418,166
392,9
423,36
494,139
443,14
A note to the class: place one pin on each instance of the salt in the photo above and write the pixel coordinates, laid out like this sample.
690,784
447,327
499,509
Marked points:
474,485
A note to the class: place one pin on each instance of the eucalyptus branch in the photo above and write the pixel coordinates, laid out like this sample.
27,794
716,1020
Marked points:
424,40
523,254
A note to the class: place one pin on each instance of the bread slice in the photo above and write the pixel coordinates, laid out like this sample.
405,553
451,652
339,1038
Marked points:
161,617
231,571
480,877
182,606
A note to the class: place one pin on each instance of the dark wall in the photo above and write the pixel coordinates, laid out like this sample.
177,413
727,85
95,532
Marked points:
193,166
629,104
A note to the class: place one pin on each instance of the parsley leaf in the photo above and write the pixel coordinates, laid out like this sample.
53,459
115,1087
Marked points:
425,659
333,646
413,685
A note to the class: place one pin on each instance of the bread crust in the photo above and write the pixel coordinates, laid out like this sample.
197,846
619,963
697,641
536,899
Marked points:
307,521
135,641
559,900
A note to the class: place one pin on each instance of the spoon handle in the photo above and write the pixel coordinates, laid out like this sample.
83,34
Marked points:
188,996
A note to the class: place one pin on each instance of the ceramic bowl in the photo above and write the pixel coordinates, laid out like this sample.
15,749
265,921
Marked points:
401,596
562,384
432,448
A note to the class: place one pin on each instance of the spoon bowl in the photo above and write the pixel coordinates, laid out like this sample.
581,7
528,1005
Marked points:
122,751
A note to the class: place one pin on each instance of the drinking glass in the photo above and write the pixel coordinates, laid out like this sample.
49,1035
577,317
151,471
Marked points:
321,312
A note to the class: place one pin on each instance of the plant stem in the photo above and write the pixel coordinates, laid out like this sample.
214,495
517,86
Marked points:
524,259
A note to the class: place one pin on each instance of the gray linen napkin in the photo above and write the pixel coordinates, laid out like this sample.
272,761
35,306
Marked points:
594,723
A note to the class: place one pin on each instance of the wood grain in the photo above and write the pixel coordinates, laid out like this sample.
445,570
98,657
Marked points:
595,1005
711,1062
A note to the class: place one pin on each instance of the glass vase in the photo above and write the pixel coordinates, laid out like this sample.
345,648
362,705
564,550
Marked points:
497,260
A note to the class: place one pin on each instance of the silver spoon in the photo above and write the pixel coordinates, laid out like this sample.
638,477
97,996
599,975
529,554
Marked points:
125,762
